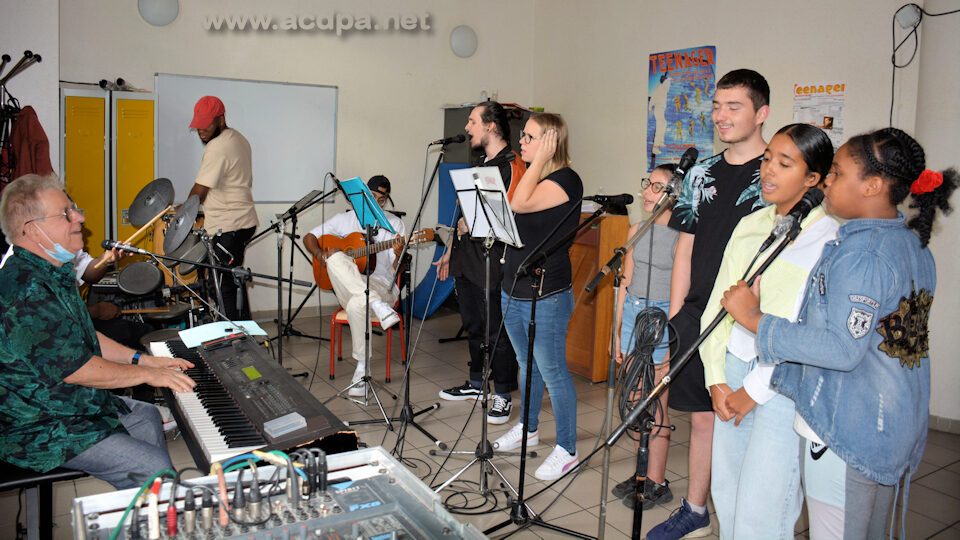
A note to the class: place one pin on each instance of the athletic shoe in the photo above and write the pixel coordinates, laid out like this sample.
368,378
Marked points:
500,408
556,465
653,494
357,391
511,439
169,424
623,488
682,523
459,393
385,314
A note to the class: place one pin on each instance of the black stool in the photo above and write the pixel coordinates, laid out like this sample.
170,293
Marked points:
39,487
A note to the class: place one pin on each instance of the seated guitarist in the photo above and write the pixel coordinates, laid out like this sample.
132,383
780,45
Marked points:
349,284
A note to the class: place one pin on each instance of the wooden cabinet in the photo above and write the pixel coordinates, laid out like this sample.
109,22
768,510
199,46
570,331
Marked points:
588,335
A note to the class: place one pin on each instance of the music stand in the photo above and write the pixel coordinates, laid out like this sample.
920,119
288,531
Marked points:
486,210
371,218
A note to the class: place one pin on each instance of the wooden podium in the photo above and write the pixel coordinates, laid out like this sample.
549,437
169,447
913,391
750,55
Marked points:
588,335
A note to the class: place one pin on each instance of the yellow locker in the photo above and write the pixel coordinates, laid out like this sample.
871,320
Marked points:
84,163
134,144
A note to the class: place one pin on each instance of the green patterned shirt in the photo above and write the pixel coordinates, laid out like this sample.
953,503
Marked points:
46,335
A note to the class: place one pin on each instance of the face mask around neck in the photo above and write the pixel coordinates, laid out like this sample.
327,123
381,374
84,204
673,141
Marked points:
59,253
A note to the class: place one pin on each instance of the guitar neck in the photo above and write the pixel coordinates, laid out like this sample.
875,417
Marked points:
376,247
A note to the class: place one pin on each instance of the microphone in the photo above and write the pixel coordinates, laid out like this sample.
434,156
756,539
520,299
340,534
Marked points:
672,190
113,244
810,200
686,161
790,224
459,138
607,200
781,227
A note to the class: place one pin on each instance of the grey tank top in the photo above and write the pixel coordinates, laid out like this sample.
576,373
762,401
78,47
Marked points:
656,262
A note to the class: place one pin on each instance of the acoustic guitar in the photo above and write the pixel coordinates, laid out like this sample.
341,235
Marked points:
353,246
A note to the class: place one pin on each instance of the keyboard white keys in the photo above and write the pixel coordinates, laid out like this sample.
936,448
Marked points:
213,444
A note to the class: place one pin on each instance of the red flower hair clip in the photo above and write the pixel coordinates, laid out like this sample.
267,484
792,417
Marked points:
926,182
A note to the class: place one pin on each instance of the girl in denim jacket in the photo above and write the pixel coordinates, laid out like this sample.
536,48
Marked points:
856,362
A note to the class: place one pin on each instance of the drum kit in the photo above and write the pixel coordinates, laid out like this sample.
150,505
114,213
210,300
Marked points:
147,284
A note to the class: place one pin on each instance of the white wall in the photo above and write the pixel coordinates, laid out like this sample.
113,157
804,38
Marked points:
586,60
592,66
32,25
937,129
392,85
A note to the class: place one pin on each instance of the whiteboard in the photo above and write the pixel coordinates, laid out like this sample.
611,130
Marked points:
292,129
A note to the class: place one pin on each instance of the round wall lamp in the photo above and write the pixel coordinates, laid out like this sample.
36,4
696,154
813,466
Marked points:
158,12
463,41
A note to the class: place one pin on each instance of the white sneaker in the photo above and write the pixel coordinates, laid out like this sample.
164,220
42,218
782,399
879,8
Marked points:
557,463
387,316
511,439
169,424
358,390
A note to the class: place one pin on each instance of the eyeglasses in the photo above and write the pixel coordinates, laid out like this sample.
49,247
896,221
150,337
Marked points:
526,137
656,187
65,215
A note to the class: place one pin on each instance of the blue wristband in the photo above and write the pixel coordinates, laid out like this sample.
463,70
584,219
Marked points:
136,358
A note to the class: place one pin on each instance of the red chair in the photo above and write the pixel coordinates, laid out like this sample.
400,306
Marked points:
339,318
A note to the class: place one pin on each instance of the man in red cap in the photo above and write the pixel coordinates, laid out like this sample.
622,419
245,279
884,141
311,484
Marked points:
224,186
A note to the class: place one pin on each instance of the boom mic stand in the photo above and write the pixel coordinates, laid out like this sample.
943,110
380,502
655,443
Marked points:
278,226
407,416
675,366
614,266
520,513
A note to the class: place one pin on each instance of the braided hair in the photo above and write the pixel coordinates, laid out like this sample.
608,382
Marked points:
899,159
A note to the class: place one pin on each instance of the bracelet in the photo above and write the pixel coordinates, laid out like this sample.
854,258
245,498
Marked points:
136,358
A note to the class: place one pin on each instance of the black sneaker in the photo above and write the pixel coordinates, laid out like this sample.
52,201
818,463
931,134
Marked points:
459,393
500,407
653,495
623,488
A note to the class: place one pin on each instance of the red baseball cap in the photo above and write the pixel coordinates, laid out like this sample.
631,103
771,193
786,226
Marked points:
206,109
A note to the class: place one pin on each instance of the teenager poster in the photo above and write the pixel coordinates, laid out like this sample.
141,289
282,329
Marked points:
679,103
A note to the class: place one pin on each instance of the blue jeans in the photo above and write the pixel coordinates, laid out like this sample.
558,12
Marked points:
549,360
142,453
755,479
631,306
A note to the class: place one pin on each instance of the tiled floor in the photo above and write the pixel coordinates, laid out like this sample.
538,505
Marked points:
934,509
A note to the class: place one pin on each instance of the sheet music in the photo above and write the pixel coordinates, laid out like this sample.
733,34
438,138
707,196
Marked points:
486,183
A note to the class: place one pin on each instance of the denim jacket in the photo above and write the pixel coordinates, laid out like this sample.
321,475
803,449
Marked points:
856,362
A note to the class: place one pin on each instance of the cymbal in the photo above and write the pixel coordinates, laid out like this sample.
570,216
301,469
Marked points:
190,241
196,253
181,224
151,200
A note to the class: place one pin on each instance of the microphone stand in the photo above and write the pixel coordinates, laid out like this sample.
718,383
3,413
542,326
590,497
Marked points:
614,266
407,416
520,514
676,364
278,226
484,452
